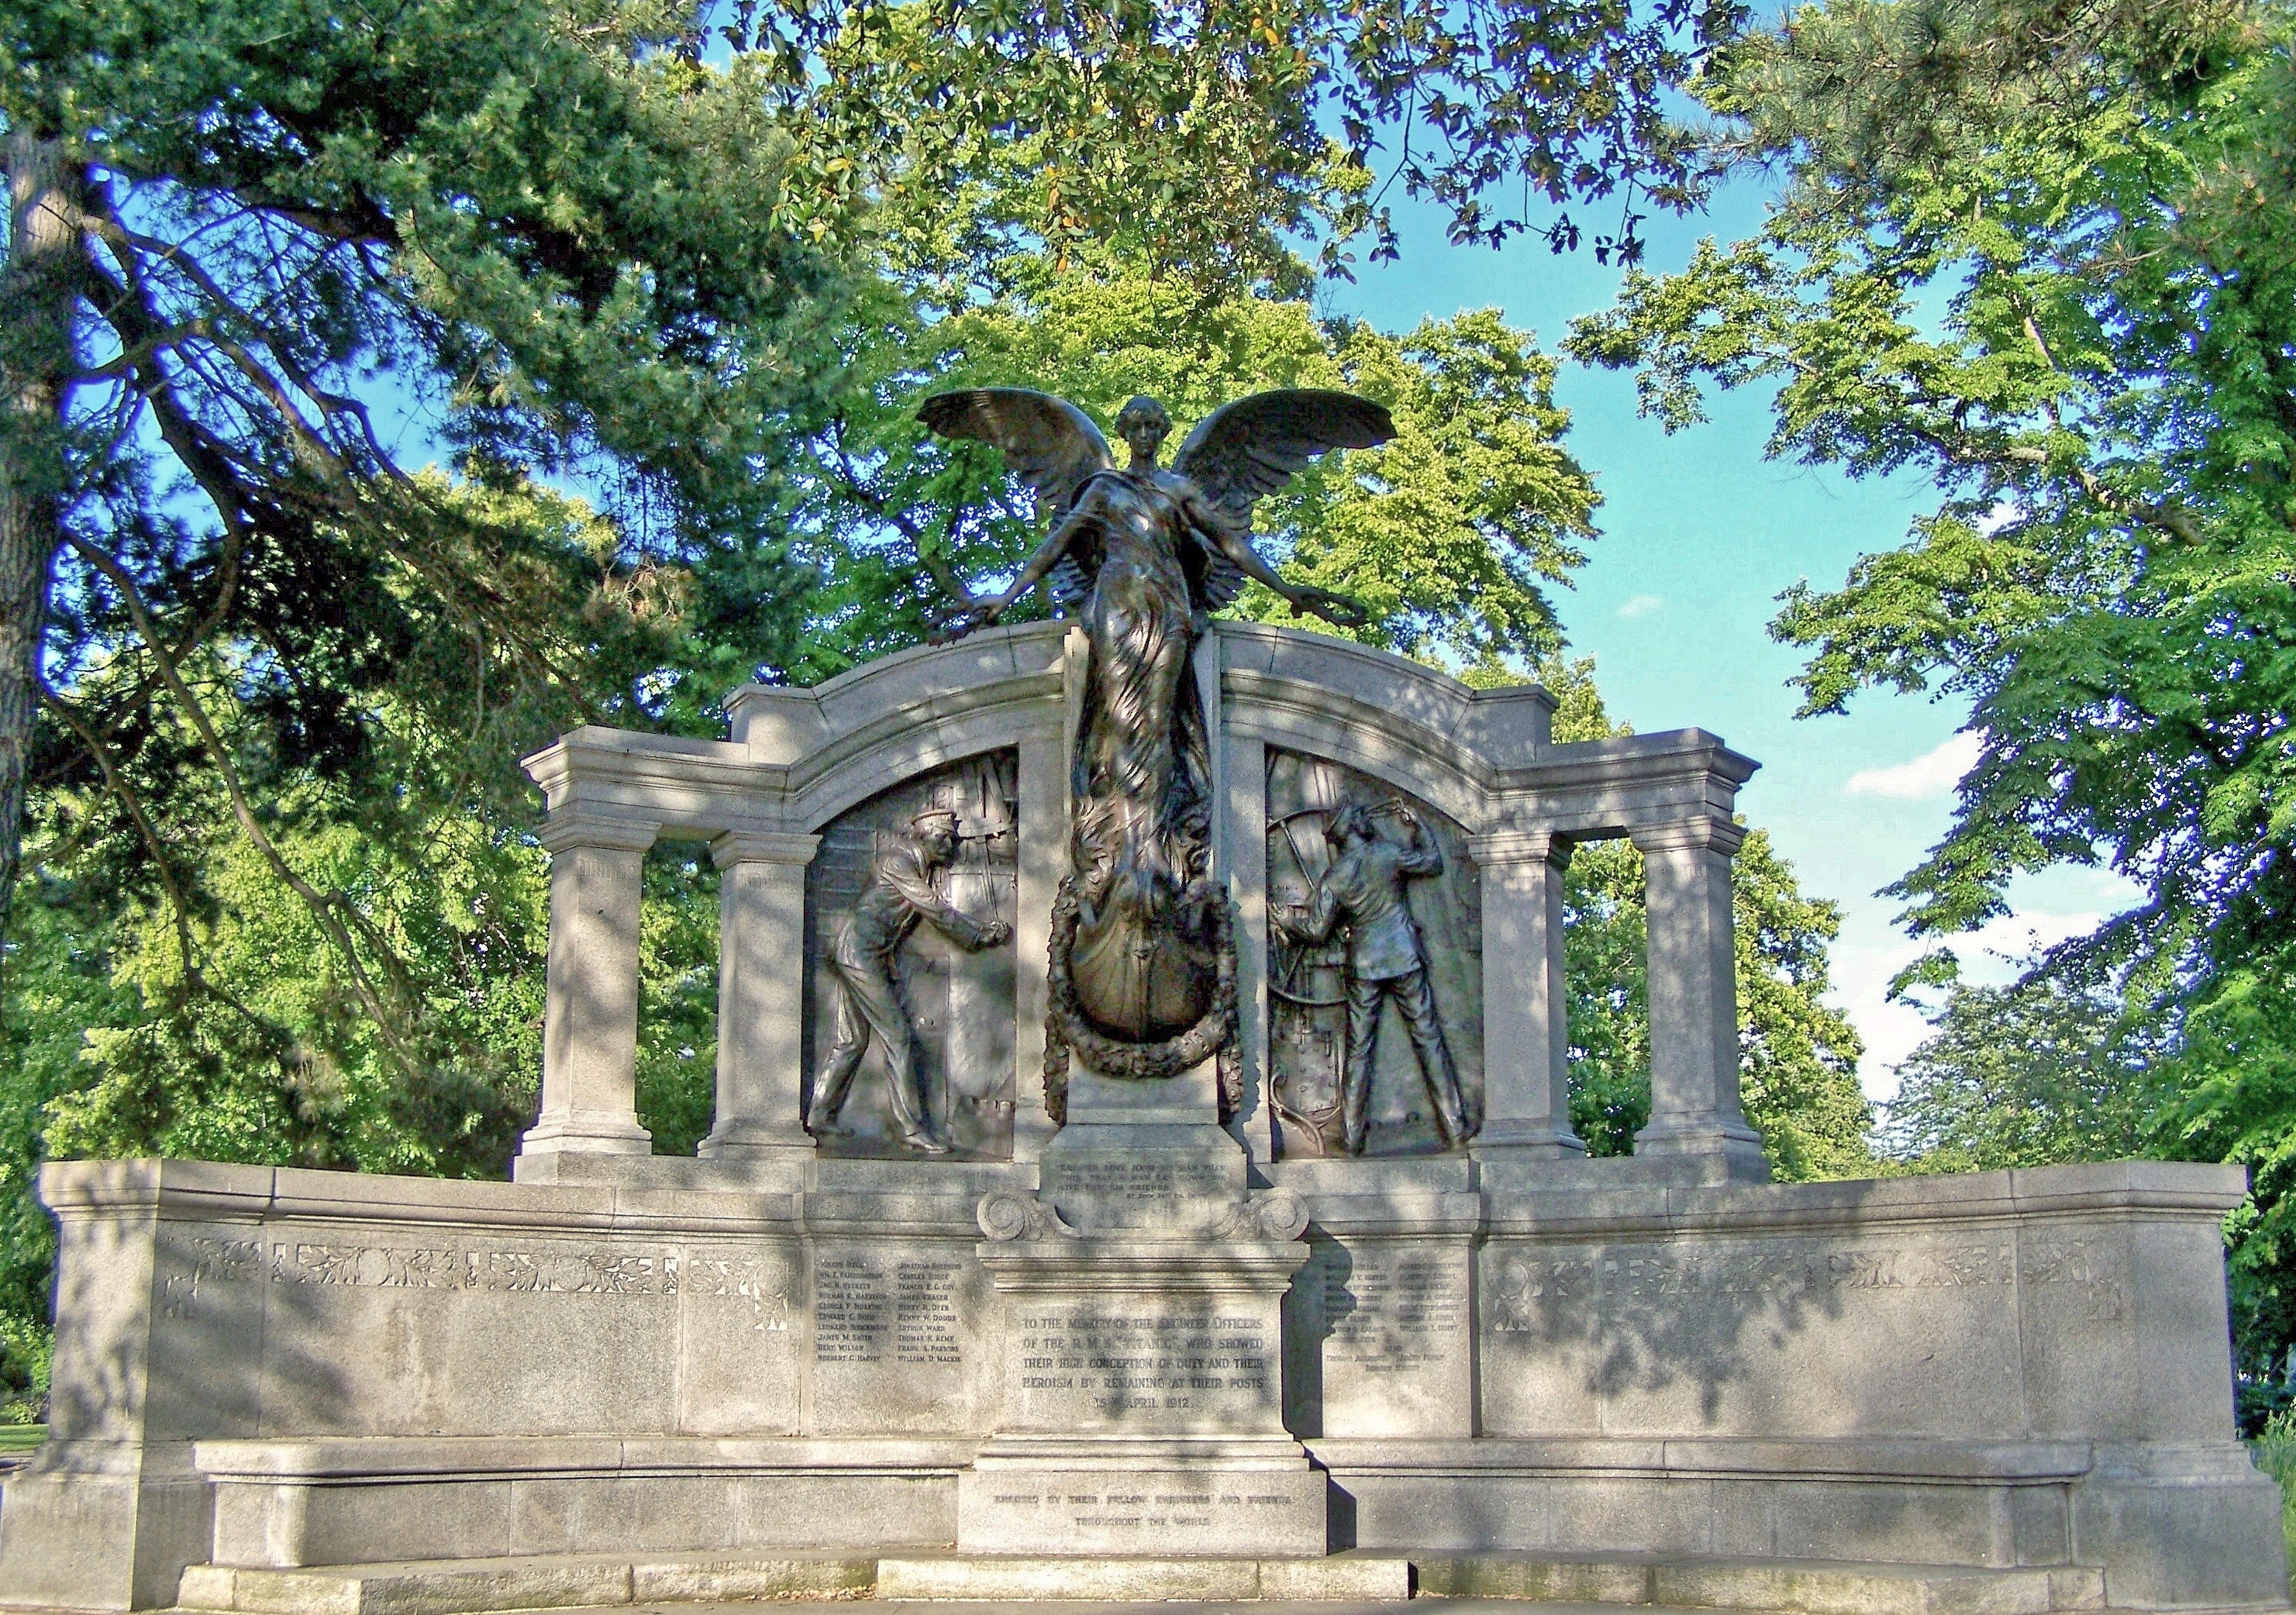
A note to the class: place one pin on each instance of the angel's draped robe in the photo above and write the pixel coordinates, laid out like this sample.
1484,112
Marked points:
1140,840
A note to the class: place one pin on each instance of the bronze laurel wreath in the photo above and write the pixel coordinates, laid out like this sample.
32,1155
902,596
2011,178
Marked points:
1066,1027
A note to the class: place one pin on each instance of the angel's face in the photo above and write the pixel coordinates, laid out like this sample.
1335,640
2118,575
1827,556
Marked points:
1144,426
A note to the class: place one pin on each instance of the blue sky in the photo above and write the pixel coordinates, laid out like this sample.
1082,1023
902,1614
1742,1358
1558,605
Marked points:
1700,534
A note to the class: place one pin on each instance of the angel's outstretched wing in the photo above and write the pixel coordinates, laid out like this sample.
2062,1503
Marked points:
1049,443
1243,451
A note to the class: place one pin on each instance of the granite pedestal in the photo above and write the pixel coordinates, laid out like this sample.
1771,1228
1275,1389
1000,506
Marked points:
1142,1292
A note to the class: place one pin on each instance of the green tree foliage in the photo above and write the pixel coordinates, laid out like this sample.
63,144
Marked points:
2233,1079
1206,132
2030,1075
242,232
2042,254
1450,533
61,985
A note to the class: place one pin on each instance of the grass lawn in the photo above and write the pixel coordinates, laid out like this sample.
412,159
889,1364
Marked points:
21,1437
2276,1458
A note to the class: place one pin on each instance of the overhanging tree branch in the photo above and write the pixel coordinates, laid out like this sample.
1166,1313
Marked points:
323,906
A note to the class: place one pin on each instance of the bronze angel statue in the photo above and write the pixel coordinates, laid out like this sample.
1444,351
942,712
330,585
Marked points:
1142,964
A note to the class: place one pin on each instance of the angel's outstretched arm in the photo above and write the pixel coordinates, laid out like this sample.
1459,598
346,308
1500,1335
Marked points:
1236,542
1047,556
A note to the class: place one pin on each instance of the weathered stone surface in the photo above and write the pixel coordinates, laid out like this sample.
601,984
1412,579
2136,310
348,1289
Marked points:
1071,1579
2017,1380
465,1587
1157,1504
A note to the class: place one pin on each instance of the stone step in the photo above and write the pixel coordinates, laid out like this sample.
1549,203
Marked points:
1791,1586
570,1581
469,1587
989,1578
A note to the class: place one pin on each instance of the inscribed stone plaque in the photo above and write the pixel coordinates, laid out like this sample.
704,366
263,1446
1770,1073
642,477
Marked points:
1102,1188
1141,1510
891,1326
1398,1355
1168,1363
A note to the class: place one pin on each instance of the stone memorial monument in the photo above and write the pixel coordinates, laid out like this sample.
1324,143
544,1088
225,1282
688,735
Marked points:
1142,1167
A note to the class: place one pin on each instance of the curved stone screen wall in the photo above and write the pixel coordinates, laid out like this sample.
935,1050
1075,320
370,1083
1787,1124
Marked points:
1469,813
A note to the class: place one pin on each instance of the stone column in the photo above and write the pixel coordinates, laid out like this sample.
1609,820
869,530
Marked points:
1040,858
760,994
1694,1003
1239,822
1526,1022
590,1021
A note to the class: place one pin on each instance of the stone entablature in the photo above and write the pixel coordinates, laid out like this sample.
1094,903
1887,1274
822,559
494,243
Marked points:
1501,791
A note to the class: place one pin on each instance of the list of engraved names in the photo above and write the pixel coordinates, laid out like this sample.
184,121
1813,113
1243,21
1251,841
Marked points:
866,1310
1396,1314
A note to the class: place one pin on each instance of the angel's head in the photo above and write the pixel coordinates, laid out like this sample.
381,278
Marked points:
1144,426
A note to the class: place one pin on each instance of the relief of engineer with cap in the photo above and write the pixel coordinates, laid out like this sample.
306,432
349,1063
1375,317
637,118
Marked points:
901,891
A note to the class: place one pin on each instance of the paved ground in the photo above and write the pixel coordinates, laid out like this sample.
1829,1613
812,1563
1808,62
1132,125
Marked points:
1425,1606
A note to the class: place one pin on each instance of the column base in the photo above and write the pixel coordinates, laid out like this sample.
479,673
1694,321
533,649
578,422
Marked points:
1702,1149
746,1138
577,1133
1510,1139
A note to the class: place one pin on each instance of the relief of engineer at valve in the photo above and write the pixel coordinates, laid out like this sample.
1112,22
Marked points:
1349,953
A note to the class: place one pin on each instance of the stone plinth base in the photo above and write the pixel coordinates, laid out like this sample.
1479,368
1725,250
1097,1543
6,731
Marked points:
1808,1586
1143,1385
1772,1397
1100,1502
1131,1581
1815,1586
555,1582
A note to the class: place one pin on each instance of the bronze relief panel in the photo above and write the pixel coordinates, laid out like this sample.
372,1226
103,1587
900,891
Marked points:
909,968
1374,966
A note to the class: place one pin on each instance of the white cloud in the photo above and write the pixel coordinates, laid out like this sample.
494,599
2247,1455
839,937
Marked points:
1868,956
1998,951
1640,606
1931,775
2001,515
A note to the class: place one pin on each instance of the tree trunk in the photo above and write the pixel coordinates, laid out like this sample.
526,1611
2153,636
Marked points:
38,289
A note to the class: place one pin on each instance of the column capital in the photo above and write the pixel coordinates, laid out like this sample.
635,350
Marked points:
563,831
763,846
1519,847
1708,831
